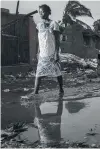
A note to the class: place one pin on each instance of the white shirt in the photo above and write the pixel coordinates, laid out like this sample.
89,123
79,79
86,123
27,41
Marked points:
46,37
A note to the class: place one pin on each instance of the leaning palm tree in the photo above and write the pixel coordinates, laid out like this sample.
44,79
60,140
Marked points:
75,9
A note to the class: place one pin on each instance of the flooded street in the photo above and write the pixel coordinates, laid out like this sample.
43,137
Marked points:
49,120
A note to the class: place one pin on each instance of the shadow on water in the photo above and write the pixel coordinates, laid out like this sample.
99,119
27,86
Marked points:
74,107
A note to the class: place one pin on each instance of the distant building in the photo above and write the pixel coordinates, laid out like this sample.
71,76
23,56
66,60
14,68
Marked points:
19,39
80,41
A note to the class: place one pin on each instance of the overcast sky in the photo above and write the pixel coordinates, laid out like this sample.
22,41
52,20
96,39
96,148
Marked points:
57,8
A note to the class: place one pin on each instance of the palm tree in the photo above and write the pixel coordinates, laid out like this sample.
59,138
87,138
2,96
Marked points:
74,9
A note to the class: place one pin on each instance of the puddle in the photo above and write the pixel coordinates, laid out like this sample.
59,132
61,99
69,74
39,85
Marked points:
31,135
63,121
78,118
69,121
12,111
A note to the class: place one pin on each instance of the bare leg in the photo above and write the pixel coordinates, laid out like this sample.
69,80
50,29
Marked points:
60,81
37,84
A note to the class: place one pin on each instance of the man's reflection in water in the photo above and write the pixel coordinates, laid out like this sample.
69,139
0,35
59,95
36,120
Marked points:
49,125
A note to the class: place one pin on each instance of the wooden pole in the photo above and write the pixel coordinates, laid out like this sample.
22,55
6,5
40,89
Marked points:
17,27
17,8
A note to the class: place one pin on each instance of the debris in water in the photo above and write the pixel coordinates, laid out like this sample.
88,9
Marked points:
24,97
6,90
26,89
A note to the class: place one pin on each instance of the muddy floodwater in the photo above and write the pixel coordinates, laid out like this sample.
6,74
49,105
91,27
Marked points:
50,120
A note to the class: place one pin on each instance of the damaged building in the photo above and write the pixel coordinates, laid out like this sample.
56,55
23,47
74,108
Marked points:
80,41
19,38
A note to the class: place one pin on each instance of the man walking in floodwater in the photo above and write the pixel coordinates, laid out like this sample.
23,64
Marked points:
48,62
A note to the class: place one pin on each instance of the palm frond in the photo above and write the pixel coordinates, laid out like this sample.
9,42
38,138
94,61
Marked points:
84,25
80,11
74,8
67,19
